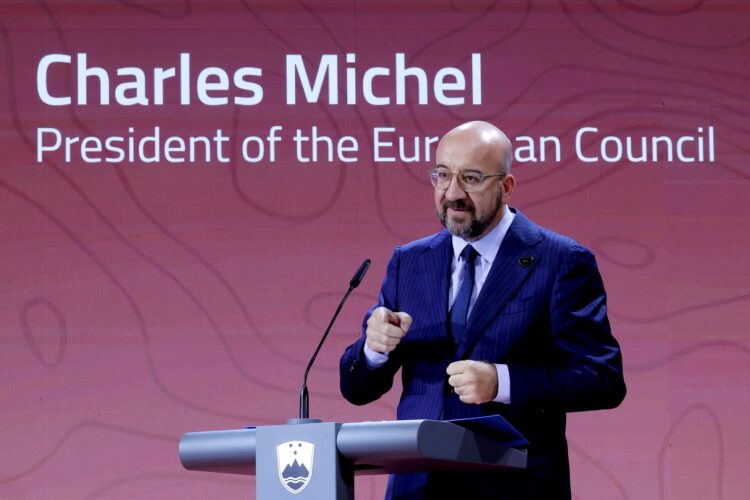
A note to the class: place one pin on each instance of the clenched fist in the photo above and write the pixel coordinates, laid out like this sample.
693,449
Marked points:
385,329
473,381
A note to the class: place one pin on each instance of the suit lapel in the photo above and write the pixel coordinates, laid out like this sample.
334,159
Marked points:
434,267
505,277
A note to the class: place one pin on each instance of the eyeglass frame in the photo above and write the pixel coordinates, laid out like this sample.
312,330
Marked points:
482,176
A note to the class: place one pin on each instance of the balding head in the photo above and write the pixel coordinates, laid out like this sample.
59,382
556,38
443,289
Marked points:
481,140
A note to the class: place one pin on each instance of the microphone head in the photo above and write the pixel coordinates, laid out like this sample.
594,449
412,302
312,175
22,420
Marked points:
357,278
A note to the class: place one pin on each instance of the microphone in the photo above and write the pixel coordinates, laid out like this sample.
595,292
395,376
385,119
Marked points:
357,278
304,400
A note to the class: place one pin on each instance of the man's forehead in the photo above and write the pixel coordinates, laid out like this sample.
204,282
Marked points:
460,153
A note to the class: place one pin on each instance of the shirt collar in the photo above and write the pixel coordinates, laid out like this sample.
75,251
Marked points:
488,245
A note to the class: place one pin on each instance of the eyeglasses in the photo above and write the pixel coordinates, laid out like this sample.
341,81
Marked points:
468,180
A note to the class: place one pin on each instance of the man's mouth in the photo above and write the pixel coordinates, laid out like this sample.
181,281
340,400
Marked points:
458,207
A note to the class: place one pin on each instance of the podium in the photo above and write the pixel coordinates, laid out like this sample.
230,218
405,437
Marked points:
319,460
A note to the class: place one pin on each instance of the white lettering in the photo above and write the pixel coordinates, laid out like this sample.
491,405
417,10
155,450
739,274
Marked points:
579,140
441,86
618,149
328,68
161,74
370,96
420,147
185,79
255,90
401,73
476,79
680,142
84,73
138,85
40,146
41,79
220,82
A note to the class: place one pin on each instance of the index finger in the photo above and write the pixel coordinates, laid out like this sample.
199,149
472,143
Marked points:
403,320
382,314
456,367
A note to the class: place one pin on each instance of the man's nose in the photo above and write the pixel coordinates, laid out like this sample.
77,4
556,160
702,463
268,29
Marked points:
454,191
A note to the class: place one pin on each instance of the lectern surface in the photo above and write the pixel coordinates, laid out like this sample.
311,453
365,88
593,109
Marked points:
372,448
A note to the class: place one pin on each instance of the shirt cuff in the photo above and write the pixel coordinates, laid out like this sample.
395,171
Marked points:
378,359
503,384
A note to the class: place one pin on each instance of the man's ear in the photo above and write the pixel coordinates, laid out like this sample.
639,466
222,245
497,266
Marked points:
508,186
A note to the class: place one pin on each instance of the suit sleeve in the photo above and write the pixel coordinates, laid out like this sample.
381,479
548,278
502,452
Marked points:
359,383
583,370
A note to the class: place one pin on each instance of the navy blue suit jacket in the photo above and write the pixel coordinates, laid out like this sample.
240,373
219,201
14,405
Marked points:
542,311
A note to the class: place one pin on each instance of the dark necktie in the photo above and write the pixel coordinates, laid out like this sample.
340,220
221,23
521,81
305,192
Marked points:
460,309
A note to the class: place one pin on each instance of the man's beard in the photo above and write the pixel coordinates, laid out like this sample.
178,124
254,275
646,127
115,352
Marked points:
476,226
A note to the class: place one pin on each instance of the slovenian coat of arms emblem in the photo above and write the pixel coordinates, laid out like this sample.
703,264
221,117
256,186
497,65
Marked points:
295,464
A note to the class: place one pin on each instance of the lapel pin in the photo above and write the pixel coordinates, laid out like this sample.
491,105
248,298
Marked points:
525,261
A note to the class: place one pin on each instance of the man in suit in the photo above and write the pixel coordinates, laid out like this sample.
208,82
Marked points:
494,315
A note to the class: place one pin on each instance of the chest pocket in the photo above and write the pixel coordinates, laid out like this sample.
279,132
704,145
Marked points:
518,305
